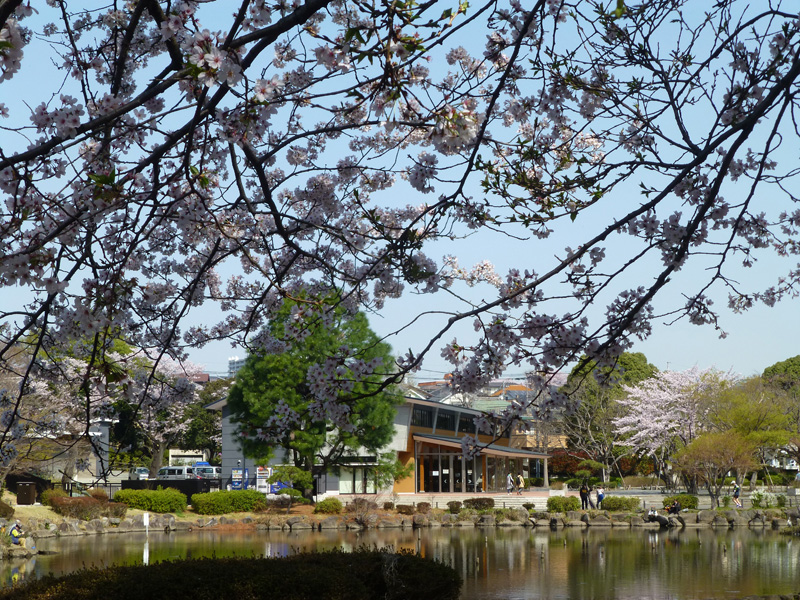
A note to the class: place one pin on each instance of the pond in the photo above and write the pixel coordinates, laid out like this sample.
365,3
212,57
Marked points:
495,563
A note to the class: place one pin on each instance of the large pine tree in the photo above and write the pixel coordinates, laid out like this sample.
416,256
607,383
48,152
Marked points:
276,388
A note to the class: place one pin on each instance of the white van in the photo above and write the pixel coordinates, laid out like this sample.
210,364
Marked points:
206,471
176,473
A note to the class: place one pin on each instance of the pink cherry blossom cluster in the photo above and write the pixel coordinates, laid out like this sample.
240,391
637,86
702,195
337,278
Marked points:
11,44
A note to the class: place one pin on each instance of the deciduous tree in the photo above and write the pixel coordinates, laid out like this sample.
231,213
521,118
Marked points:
214,158
666,413
711,456
593,394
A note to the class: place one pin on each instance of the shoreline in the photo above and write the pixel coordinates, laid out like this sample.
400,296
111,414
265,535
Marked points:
56,526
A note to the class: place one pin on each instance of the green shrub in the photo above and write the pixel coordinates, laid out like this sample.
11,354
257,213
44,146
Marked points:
761,499
563,503
685,500
424,508
454,506
46,496
404,509
388,506
360,575
528,506
726,501
621,503
479,503
781,500
158,501
223,502
536,482
778,479
329,506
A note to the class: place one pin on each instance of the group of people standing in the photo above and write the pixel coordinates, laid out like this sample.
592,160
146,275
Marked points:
591,497
515,486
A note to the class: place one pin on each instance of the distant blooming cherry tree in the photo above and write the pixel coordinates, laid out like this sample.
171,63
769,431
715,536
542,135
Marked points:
188,154
667,412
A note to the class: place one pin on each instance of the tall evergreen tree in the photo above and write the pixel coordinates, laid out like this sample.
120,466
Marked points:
285,384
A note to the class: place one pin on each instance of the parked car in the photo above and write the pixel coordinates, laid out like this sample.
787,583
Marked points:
139,473
207,472
177,473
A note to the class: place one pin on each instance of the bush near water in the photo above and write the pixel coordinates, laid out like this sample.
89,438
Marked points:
158,501
336,575
219,503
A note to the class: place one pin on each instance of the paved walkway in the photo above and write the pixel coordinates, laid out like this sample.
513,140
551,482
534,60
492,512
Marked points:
538,497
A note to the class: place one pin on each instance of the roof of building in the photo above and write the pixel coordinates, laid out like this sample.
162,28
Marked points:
488,449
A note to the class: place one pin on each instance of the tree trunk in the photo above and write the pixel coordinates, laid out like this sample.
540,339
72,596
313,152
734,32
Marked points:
308,466
68,472
157,459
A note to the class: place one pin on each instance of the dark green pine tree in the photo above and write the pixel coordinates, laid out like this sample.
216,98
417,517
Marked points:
266,379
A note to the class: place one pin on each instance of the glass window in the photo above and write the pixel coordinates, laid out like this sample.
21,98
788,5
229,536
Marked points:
446,419
356,480
466,424
346,481
423,416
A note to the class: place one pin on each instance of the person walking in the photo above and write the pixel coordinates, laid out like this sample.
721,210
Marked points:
736,491
509,483
520,483
584,493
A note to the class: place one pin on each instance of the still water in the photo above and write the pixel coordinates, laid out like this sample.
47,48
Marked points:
494,563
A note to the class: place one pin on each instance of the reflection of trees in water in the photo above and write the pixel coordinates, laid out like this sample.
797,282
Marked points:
498,562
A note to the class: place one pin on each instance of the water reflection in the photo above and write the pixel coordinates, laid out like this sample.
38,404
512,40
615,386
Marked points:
494,563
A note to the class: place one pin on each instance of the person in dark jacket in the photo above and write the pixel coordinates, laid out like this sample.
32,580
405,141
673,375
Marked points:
584,493
674,508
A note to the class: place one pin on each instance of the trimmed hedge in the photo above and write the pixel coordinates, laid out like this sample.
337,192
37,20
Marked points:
686,500
86,508
479,503
360,575
454,506
158,501
621,503
563,503
222,502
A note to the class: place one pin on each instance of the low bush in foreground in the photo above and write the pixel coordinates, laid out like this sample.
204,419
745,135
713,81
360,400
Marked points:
621,503
158,501
362,575
563,503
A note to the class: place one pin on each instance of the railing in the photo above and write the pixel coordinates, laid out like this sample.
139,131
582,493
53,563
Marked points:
81,489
